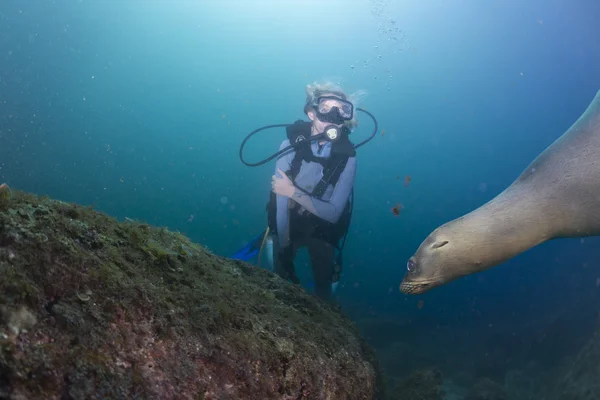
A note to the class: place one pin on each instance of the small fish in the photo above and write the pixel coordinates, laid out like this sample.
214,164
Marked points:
407,180
396,209
383,132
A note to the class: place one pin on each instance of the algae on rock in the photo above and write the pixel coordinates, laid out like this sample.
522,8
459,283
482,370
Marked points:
94,308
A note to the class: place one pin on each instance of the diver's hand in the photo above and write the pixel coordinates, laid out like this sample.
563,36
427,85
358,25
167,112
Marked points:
282,186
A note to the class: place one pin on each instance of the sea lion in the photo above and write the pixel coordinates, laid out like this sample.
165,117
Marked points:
557,196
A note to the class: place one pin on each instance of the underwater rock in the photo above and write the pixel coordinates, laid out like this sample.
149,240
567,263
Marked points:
532,382
487,389
94,308
425,384
581,380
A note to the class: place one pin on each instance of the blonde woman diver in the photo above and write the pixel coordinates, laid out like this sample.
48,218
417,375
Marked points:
310,203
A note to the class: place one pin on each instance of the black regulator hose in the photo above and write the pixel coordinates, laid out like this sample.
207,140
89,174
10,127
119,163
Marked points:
312,139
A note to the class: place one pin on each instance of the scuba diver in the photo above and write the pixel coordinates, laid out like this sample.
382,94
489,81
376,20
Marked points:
311,197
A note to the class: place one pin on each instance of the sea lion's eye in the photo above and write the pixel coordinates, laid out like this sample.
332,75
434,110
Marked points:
411,266
437,245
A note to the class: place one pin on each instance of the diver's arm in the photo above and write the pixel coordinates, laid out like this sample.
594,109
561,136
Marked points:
330,210
283,163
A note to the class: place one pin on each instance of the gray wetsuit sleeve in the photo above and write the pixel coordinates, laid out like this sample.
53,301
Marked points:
331,210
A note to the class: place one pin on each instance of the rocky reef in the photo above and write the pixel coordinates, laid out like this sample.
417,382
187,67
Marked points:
486,389
95,308
581,379
422,384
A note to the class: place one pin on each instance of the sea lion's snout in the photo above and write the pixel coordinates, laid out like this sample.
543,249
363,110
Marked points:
441,258
407,287
411,284
423,269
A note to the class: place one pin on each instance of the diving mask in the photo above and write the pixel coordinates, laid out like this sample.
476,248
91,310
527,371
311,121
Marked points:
334,110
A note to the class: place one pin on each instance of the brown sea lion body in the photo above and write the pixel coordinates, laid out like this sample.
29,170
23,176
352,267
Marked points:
557,196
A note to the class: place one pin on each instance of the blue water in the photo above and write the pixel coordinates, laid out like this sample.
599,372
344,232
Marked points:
139,107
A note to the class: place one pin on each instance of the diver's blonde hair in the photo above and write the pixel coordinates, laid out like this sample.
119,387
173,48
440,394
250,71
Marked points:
316,89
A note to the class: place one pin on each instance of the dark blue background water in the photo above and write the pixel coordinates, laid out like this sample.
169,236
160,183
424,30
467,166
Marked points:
139,107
